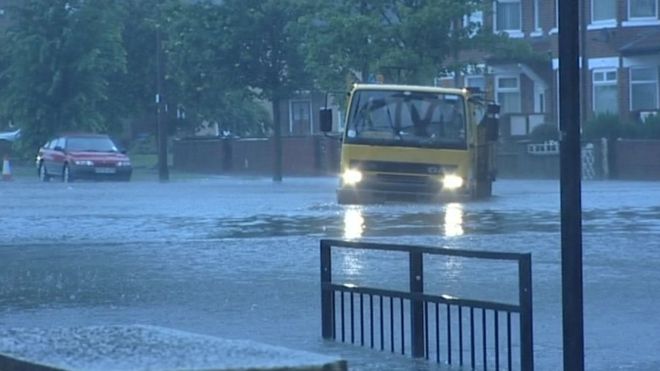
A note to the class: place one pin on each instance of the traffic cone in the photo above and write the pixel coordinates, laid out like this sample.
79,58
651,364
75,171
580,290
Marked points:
6,169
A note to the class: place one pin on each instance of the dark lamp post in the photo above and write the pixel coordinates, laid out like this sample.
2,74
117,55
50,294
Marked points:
571,175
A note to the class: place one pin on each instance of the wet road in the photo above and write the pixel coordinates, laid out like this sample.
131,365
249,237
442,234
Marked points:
238,258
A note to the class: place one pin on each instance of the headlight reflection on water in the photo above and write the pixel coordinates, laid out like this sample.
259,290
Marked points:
353,223
453,225
352,262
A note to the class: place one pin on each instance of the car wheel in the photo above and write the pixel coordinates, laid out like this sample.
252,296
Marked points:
43,174
66,174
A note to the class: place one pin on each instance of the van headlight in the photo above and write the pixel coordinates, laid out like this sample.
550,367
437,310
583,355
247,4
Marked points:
352,177
451,181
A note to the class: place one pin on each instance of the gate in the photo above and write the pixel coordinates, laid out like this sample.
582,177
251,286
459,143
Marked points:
439,327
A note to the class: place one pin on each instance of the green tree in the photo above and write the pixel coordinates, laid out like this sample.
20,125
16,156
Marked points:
198,69
62,55
135,88
406,41
346,39
261,39
428,34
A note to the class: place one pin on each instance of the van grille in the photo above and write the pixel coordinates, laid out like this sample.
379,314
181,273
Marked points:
402,183
402,167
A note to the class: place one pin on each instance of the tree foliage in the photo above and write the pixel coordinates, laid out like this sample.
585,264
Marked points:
202,71
260,37
263,43
135,87
405,41
61,57
83,65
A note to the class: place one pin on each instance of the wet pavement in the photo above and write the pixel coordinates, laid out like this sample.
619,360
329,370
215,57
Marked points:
138,347
237,257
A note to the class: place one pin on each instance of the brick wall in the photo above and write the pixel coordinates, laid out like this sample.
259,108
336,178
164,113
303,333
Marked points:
201,155
318,155
636,159
308,155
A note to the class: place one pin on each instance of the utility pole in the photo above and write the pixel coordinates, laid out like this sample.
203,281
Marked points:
277,139
163,171
570,178
584,67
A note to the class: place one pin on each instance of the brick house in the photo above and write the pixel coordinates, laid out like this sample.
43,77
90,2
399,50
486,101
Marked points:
620,61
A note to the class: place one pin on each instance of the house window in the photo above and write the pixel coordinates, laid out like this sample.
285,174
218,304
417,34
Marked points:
643,88
603,11
605,93
507,89
300,118
473,22
642,9
537,15
508,17
475,82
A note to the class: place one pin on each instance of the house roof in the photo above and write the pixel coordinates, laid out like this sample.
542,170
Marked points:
646,43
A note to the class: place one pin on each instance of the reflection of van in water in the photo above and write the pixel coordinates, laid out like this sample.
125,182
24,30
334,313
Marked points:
411,142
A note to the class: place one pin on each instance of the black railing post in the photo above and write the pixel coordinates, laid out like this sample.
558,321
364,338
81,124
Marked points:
417,304
525,303
327,302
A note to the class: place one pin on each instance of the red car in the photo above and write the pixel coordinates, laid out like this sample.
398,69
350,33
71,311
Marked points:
82,156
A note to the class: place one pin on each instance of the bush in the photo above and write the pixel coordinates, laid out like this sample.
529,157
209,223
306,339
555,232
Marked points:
601,126
608,126
544,132
650,129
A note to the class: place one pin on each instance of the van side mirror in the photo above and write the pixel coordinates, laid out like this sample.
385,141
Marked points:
492,121
325,119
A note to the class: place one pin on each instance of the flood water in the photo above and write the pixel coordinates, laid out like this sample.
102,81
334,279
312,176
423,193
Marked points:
238,257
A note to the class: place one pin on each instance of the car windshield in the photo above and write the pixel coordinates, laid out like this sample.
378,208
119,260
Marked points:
405,118
90,144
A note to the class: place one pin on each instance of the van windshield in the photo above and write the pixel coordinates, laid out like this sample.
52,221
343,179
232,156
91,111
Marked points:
404,118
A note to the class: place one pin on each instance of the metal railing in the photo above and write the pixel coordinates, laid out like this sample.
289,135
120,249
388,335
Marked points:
440,327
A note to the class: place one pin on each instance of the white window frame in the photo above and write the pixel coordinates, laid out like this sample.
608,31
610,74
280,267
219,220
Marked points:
538,29
555,29
641,21
473,77
657,85
605,82
499,89
602,23
516,32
